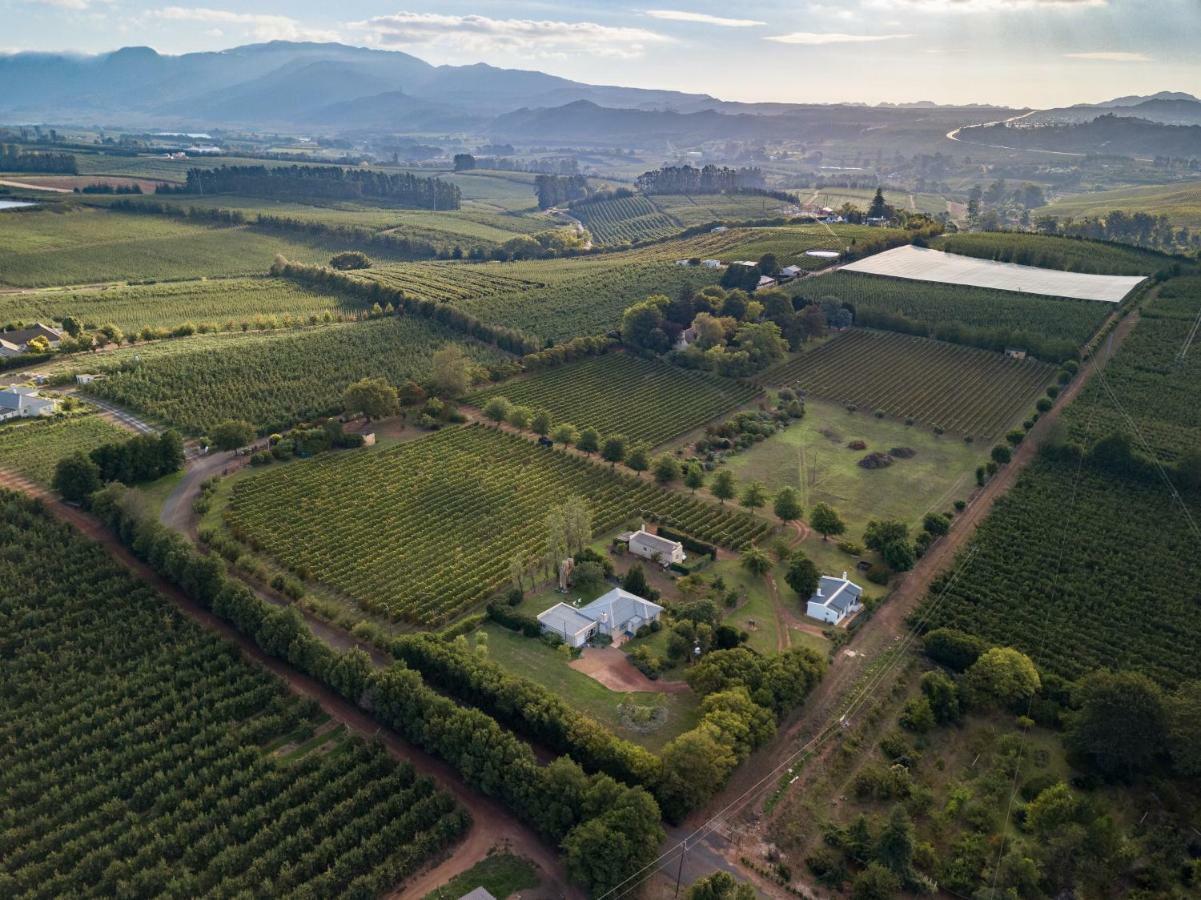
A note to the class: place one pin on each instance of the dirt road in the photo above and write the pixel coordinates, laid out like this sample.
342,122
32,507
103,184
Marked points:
490,821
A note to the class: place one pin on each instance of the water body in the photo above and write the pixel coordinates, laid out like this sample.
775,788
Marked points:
15,204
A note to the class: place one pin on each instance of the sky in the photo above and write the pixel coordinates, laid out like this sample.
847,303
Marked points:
1036,53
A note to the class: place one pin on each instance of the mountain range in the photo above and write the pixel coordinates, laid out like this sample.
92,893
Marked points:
328,87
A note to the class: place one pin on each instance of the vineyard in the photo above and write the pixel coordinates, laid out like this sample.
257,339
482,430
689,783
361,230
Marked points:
933,305
701,209
451,281
425,530
1154,383
644,399
959,389
140,755
1050,252
626,220
89,245
225,303
276,381
33,447
1081,575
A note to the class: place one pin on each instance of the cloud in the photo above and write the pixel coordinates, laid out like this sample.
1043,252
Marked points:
480,34
680,15
72,5
814,38
1110,56
261,26
970,6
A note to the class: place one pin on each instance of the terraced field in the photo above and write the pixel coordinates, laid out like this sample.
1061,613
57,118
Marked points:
425,530
626,220
644,399
959,389
225,303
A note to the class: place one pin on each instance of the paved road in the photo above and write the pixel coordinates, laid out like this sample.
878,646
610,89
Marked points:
121,416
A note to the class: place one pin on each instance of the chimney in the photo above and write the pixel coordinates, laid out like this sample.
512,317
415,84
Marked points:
819,590
844,575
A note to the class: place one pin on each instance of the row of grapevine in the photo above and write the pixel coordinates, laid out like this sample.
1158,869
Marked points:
644,399
626,220
1156,377
959,389
33,447
1019,319
425,530
273,384
135,751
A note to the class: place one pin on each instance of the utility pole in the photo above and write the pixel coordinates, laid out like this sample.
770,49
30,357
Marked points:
680,870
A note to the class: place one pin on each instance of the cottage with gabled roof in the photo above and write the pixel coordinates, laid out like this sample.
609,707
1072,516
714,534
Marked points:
620,612
568,623
659,549
24,403
836,599
14,343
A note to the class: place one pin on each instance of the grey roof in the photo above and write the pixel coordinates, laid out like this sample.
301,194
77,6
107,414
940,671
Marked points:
661,544
478,893
620,606
564,619
25,335
838,594
19,398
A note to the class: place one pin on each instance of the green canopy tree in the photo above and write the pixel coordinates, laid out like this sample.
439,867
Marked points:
1120,724
754,495
373,397
787,505
825,521
76,477
723,487
613,450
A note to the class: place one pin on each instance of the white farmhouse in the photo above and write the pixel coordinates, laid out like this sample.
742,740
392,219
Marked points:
660,549
616,614
835,600
14,343
711,263
568,623
790,272
24,403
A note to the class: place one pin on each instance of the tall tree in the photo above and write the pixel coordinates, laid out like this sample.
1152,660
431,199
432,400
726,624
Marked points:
450,371
723,487
826,521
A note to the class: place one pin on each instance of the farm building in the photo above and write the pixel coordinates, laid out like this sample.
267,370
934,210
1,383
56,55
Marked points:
1014,353
835,600
687,336
568,623
711,263
790,272
24,403
616,613
14,343
651,546
765,281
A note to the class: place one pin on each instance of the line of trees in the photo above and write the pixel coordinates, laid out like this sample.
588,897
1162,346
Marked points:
559,190
325,182
145,457
14,159
607,831
707,180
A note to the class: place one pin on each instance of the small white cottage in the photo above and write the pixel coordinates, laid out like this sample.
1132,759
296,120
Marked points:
660,549
836,599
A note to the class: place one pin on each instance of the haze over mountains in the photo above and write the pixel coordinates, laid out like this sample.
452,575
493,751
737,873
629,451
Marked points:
333,87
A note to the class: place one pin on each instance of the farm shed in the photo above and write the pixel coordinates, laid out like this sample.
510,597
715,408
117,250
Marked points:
835,599
651,546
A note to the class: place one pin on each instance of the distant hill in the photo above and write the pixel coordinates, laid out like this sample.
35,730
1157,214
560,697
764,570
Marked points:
1166,107
1109,134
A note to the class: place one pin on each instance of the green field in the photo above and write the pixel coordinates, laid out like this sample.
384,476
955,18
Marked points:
89,245
33,447
789,243
959,389
618,393
224,303
425,530
276,382
690,210
500,874
1154,379
1048,252
905,201
812,455
138,749
1065,567
1180,202
1003,317
626,220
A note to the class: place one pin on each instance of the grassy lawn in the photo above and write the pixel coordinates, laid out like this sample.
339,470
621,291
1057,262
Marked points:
812,455
757,614
532,659
156,492
501,874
